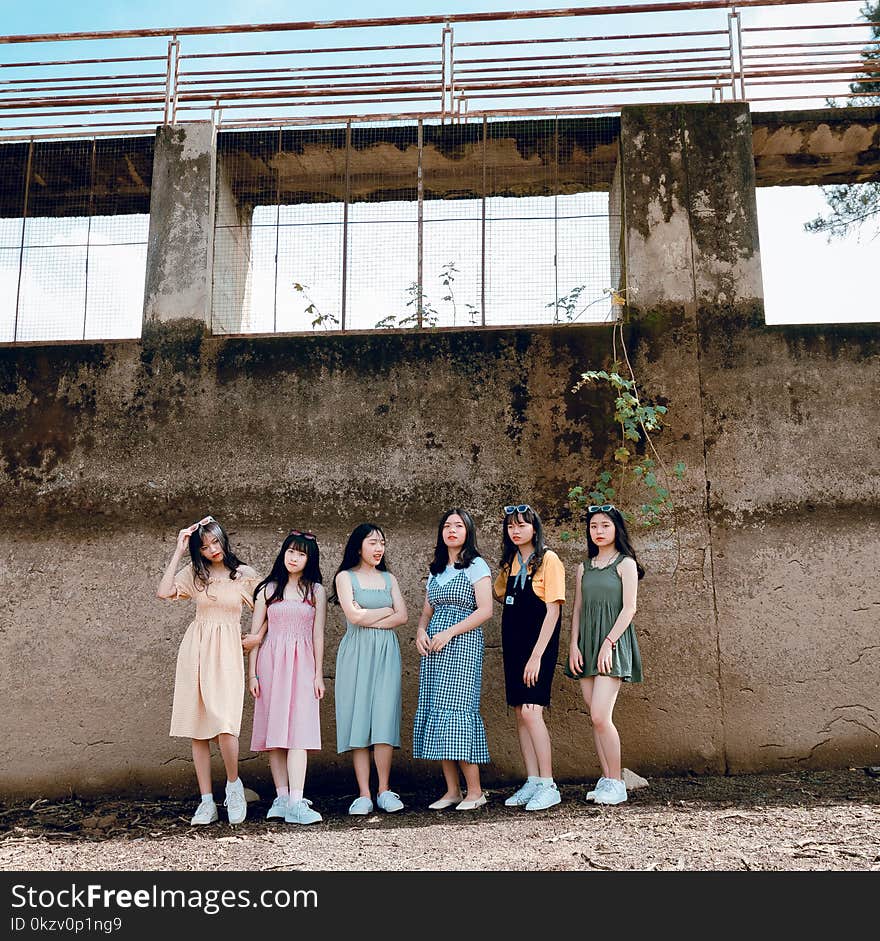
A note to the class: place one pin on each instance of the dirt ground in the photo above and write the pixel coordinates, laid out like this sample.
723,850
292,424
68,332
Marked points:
819,820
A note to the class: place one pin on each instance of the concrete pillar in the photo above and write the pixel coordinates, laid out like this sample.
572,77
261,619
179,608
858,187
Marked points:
691,260
231,303
615,229
691,224
180,247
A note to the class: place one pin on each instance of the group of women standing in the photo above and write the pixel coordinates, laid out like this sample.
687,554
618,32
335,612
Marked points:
285,651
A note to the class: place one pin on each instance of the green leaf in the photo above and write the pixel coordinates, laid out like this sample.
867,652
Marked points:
622,455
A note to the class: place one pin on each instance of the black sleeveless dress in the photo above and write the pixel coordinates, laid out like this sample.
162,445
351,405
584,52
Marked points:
524,613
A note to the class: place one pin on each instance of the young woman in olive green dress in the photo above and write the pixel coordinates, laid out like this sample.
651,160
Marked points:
604,652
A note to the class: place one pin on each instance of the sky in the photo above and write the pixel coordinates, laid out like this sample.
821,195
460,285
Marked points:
798,267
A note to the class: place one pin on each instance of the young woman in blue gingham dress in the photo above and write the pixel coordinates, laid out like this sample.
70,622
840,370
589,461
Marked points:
448,726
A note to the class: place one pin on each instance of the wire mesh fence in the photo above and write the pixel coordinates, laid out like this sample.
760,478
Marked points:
425,225
74,217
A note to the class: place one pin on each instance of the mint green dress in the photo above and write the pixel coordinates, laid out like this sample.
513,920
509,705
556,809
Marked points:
601,603
368,667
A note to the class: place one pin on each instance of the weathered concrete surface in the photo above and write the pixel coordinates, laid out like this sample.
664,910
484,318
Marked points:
147,436
267,434
779,414
758,636
832,145
794,459
180,244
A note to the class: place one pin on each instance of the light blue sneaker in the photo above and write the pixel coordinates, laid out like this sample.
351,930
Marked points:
613,793
521,797
236,802
389,802
300,811
361,806
600,786
546,796
278,809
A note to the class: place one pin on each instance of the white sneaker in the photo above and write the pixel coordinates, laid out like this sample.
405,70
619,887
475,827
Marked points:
235,803
278,809
521,797
206,812
613,793
600,785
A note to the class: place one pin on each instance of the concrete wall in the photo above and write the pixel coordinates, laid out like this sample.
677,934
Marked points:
758,633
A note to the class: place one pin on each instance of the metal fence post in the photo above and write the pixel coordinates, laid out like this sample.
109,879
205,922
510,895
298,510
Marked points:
24,216
421,229
483,233
345,203
731,46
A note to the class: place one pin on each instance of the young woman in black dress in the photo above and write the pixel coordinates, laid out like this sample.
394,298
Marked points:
531,588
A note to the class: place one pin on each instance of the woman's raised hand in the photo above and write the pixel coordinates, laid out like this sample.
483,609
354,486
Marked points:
183,539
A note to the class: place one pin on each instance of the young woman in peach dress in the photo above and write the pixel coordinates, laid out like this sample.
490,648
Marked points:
209,680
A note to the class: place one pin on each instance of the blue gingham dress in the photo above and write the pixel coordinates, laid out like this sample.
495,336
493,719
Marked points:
448,724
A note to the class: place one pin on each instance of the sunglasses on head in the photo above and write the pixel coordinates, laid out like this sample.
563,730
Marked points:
522,508
603,508
308,534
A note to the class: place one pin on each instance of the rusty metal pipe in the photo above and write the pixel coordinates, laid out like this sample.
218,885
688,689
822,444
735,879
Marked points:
298,26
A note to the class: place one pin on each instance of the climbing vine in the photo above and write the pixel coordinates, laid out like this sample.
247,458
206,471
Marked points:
636,466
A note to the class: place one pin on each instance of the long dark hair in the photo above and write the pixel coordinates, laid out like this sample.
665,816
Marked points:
200,566
469,550
279,576
351,556
621,537
509,550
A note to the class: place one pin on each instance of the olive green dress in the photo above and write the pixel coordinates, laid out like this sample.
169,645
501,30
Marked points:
601,603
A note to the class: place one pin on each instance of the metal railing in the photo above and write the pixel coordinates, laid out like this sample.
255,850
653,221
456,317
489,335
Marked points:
436,67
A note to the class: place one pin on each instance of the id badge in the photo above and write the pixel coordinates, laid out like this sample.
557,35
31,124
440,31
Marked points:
508,599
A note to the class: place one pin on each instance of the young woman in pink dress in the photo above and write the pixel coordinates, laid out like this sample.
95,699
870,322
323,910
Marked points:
285,670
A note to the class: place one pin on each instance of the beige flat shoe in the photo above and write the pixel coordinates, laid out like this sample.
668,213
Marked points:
444,802
472,805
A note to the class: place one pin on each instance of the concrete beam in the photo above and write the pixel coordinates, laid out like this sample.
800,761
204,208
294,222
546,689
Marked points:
104,177
809,148
180,247
520,157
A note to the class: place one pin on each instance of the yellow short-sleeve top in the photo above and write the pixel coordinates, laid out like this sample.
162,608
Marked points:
548,583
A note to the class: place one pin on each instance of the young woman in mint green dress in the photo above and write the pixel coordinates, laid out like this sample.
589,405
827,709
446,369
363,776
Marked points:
604,652
368,667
